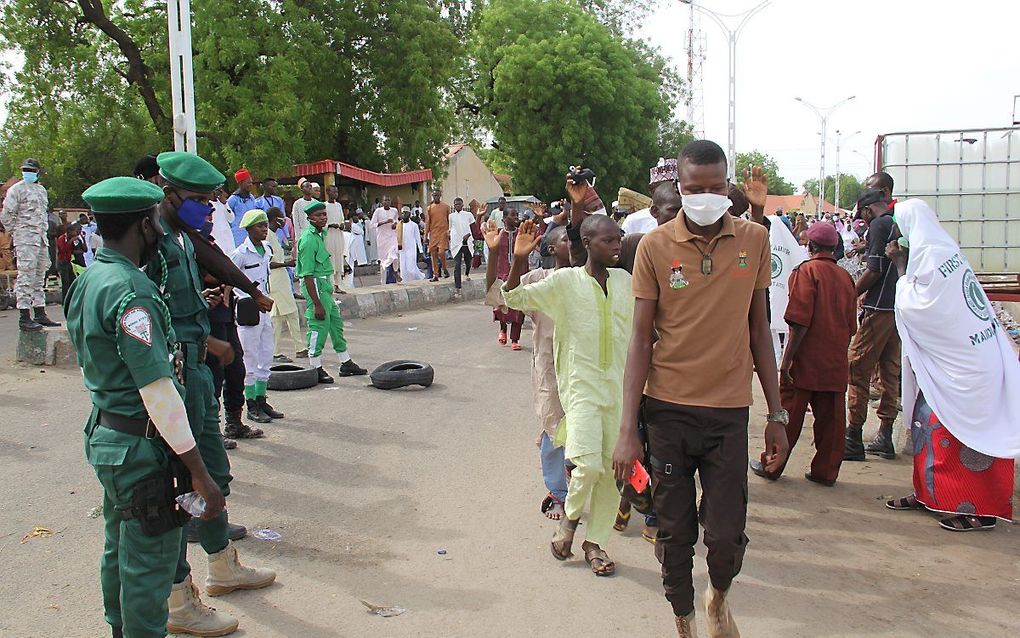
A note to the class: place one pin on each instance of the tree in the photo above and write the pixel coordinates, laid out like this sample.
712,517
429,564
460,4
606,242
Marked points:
276,82
777,185
850,189
556,88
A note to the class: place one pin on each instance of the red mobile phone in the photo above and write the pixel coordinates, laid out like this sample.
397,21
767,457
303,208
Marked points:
639,477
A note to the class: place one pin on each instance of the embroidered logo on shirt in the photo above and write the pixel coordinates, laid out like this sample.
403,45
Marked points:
975,296
676,277
743,259
137,324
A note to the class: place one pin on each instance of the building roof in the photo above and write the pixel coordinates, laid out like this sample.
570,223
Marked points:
804,203
453,149
362,174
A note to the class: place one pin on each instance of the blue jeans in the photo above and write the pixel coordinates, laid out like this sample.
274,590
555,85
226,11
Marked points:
554,471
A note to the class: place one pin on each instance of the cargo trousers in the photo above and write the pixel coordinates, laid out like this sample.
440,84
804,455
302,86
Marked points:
683,440
33,263
203,410
136,571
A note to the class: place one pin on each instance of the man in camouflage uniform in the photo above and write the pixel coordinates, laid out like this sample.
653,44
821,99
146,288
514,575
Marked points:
24,215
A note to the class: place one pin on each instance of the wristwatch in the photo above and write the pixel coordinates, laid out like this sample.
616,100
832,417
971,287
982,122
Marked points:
780,416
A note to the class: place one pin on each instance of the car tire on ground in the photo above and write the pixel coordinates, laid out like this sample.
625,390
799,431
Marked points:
401,373
290,376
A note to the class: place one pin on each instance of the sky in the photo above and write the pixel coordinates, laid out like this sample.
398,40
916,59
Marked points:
912,64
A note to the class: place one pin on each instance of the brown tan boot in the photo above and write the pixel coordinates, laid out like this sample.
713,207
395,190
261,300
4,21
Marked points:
686,627
720,620
226,573
189,615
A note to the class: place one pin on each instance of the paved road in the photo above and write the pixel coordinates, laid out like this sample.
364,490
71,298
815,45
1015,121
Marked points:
365,486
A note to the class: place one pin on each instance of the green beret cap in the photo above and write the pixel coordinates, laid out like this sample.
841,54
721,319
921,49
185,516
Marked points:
122,195
189,171
252,217
314,206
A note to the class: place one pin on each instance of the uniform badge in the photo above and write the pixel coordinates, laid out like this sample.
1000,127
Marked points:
137,323
743,259
676,277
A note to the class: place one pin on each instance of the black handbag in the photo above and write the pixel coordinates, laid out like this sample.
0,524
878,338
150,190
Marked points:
247,312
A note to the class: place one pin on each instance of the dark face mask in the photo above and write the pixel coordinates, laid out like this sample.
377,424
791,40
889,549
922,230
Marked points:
206,229
193,213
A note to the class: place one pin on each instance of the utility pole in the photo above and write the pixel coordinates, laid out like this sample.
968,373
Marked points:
823,116
731,35
182,84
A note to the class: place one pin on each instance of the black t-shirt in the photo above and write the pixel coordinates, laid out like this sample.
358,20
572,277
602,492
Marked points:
882,295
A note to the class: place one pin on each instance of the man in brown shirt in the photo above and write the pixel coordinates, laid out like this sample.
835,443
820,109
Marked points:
437,233
822,316
699,282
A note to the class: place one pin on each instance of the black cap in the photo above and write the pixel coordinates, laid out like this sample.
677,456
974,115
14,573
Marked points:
871,196
146,168
30,165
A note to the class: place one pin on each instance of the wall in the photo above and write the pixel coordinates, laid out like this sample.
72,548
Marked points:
469,178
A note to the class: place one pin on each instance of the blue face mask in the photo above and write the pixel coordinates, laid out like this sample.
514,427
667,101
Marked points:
193,213
206,229
30,176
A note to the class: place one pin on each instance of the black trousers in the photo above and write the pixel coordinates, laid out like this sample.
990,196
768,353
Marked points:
464,254
228,380
66,277
712,442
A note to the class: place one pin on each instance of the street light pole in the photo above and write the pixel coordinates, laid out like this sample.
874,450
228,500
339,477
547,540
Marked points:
731,35
182,86
824,120
838,133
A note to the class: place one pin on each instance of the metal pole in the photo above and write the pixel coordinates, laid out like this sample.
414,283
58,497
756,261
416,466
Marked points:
182,88
732,35
837,171
821,174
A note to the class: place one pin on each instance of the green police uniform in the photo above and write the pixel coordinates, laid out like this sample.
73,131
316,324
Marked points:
314,260
121,330
175,271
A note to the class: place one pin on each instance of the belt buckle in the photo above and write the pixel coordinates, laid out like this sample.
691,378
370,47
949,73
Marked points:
150,427
668,469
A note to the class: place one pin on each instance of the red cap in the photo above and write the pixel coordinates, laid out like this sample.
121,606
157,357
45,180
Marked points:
823,234
242,175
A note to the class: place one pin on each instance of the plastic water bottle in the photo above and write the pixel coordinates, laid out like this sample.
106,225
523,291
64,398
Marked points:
193,503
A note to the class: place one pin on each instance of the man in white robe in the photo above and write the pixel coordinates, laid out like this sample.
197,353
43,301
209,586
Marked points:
335,236
384,221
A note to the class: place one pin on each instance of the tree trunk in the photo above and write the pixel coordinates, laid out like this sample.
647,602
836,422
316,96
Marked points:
139,73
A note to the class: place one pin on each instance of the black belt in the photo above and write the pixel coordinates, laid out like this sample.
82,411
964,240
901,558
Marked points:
194,353
127,425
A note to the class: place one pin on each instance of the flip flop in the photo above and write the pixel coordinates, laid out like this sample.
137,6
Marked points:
622,520
648,537
968,523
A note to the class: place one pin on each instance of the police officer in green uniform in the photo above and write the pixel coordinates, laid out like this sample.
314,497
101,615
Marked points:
189,182
121,330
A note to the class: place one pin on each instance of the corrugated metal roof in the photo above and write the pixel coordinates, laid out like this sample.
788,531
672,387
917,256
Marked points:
362,174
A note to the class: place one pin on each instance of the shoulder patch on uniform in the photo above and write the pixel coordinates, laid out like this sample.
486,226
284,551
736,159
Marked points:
136,322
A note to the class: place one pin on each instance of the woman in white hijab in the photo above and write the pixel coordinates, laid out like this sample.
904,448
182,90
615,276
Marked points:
961,379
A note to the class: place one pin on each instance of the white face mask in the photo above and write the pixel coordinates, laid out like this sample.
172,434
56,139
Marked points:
705,209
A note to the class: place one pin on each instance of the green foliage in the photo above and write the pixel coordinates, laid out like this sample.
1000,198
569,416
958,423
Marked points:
850,189
777,185
277,82
555,87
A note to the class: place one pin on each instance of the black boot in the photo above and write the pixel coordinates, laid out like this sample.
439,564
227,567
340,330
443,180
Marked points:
854,448
324,376
268,409
236,429
350,369
883,443
43,320
27,323
118,632
255,412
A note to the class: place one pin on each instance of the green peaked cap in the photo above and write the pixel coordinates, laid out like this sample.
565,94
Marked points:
314,206
122,195
189,171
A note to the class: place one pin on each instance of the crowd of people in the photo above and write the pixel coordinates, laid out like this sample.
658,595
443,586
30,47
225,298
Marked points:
645,343
648,331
